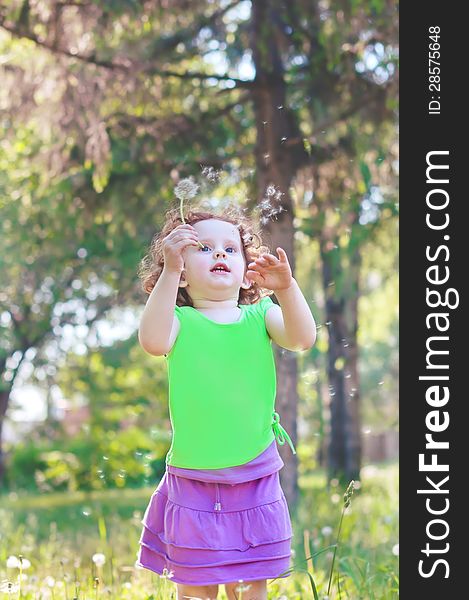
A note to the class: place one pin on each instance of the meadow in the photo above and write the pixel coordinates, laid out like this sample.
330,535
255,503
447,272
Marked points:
83,545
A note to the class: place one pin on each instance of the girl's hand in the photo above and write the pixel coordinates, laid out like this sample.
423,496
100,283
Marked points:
174,245
271,273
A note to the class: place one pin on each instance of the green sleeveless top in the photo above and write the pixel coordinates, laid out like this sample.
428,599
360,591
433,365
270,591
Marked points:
222,386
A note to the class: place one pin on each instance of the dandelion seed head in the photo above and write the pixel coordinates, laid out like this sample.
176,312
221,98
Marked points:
335,498
326,530
13,562
395,549
186,189
99,559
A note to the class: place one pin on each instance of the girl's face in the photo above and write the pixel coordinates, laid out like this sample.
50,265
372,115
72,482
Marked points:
222,244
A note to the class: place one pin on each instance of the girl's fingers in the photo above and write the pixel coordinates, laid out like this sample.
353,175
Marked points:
282,254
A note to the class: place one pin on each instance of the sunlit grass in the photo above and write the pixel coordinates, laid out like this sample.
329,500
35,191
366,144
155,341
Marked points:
83,545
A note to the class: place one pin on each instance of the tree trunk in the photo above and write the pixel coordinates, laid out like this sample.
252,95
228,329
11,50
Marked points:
277,164
344,452
4,397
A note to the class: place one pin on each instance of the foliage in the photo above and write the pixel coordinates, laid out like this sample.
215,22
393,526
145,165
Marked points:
85,463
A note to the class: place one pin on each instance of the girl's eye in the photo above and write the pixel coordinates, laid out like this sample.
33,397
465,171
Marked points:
229,248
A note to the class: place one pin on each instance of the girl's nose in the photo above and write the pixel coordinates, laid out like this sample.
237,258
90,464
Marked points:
220,253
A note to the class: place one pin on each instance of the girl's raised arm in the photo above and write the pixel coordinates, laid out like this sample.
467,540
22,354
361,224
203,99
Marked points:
157,320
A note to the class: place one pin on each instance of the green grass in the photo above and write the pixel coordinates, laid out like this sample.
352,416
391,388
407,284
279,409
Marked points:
59,533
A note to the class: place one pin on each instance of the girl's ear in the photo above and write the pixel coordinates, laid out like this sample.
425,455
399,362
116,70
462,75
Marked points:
182,281
246,283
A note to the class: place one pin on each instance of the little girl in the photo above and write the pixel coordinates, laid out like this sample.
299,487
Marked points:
219,514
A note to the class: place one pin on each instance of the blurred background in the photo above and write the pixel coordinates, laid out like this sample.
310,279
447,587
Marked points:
288,109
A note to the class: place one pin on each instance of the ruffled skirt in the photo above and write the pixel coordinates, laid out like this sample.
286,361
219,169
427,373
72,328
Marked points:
214,533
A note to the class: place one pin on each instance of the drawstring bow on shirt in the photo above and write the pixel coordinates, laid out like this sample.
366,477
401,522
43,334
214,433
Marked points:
280,433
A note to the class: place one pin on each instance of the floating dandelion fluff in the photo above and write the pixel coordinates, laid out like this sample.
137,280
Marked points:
167,574
211,173
270,206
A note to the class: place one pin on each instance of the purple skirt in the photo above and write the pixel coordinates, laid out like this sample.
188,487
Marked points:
226,525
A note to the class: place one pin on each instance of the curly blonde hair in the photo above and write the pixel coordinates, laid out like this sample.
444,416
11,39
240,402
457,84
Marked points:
151,266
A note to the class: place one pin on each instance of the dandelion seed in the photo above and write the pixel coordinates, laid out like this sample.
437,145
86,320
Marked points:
380,382
266,156
264,123
166,574
270,191
283,139
280,106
